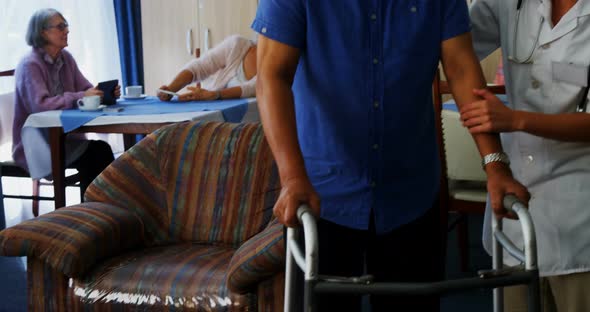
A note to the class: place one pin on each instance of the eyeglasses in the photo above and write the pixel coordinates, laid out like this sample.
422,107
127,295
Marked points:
60,26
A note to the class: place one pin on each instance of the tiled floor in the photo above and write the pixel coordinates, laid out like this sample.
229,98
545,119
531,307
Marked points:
13,276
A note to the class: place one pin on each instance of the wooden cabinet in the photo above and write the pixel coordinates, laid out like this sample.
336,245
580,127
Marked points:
221,18
168,28
172,30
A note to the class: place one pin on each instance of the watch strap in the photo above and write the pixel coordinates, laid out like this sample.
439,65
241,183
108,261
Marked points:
495,157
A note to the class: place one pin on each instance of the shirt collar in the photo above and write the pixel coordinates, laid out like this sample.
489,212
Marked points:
568,22
580,9
48,59
583,8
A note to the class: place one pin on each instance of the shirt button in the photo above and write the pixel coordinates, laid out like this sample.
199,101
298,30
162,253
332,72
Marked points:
413,9
373,184
535,84
263,30
373,16
375,146
376,104
375,61
530,159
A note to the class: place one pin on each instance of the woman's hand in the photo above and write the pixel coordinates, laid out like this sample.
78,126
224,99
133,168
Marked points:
164,96
93,91
488,115
198,94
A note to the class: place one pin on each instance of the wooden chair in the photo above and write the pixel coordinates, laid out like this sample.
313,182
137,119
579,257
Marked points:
8,168
463,182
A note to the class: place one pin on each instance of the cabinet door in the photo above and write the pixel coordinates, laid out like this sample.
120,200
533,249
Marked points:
221,18
170,31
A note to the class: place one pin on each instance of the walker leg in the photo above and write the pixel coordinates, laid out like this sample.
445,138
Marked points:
308,298
534,300
290,275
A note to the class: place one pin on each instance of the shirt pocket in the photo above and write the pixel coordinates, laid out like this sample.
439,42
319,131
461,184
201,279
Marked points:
416,27
569,83
575,74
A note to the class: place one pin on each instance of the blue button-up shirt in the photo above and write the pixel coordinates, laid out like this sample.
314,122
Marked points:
363,100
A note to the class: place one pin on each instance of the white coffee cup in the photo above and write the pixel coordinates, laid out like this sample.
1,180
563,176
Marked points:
133,91
91,102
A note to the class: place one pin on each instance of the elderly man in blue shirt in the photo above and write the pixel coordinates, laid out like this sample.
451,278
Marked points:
344,93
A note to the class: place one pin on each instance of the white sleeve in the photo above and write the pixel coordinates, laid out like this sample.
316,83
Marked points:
214,60
485,26
249,88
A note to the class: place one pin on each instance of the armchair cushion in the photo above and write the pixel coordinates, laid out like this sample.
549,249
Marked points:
73,239
179,277
259,258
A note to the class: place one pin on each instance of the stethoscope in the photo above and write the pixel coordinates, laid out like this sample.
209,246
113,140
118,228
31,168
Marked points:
514,56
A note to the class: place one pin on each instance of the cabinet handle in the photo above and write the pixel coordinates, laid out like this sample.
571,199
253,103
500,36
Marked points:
189,41
206,40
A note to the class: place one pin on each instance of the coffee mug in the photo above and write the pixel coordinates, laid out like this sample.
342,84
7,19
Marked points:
133,91
91,102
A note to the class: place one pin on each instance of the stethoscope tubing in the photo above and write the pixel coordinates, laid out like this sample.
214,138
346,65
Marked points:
513,57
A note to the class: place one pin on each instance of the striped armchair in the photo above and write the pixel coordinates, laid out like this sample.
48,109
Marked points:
180,222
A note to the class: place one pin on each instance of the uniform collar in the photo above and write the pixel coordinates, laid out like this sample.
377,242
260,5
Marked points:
583,8
567,23
580,9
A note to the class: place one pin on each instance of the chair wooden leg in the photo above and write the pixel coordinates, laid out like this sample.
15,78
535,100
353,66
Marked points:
36,189
463,242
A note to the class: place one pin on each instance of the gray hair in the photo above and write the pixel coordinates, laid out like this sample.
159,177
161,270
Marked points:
37,24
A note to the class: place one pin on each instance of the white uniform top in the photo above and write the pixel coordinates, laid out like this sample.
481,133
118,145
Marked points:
556,173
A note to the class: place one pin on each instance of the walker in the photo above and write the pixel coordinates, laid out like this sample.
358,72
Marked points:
495,278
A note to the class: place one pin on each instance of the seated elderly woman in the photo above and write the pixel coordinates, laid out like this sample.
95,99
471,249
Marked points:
227,71
48,78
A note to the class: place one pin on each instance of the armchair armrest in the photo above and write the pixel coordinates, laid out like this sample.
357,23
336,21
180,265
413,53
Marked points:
73,239
260,257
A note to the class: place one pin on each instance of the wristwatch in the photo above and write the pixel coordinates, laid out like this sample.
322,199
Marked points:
494,157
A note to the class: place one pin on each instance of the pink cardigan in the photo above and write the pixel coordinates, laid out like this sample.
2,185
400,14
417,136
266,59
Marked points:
220,64
33,93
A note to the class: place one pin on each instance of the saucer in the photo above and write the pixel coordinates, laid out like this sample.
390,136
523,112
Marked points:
92,109
128,97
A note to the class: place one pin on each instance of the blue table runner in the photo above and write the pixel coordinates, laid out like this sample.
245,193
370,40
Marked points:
233,110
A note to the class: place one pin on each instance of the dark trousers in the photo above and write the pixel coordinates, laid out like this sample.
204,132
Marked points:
92,162
411,253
